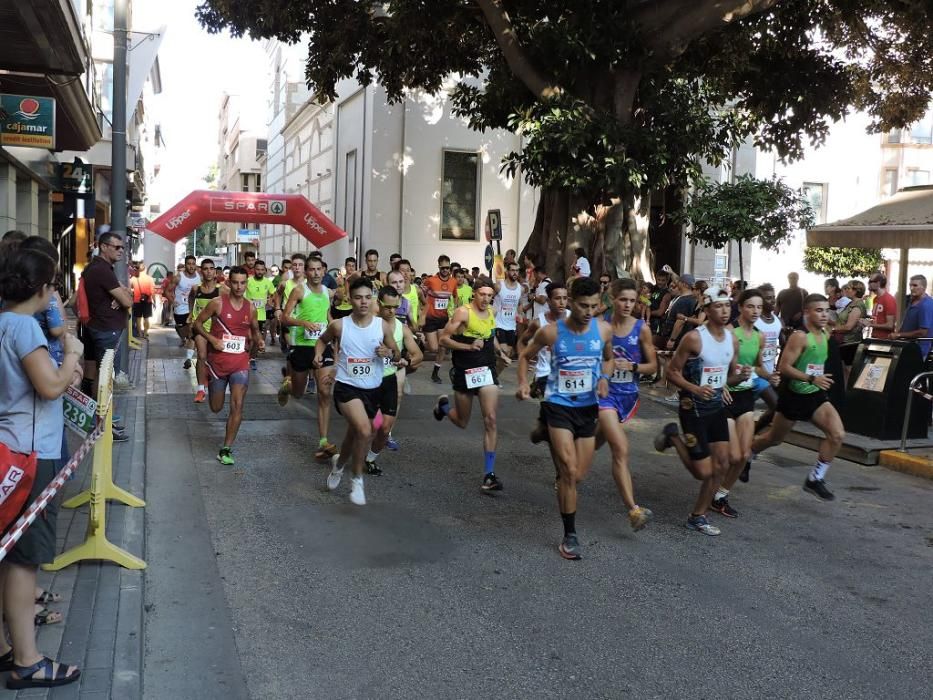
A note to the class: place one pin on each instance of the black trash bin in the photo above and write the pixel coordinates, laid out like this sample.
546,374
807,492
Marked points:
876,395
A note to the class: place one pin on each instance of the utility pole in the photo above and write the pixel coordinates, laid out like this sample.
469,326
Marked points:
118,156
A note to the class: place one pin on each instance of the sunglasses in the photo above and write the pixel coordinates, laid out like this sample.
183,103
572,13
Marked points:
115,247
390,306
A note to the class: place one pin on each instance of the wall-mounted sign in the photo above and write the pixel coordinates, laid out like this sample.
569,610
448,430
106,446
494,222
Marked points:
76,176
248,236
27,121
493,225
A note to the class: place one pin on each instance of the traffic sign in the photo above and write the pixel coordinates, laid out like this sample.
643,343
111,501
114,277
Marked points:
157,271
488,258
494,225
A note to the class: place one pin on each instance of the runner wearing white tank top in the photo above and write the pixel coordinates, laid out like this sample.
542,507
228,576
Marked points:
506,304
557,300
363,339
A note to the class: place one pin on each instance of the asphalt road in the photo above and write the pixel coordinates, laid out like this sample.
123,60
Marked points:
434,590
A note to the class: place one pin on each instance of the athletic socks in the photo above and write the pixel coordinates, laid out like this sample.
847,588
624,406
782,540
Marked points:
322,442
371,456
818,473
189,354
720,493
201,387
570,526
490,462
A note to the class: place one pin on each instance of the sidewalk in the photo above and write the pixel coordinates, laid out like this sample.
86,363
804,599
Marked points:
102,604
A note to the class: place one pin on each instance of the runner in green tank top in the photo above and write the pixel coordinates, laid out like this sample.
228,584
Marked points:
201,295
307,313
414,295
740,409
802,366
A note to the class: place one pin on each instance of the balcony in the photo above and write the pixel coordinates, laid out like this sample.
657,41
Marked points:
42,36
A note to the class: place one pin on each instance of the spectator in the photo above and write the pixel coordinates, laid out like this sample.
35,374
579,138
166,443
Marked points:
789,305
31,422
847,328
581,266
884,308
661,295
682,306
168,299
541,281
143,290
918,319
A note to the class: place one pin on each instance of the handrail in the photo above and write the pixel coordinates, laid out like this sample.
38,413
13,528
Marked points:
910,401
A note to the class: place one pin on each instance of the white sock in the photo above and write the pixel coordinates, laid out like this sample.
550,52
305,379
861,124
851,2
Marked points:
437,365
201,387
189,354
818,473
371,456
720,493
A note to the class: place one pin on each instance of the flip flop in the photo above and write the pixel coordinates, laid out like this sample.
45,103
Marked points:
48,617
47,597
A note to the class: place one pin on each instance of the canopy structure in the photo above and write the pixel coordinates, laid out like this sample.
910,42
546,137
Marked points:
903,221
250,208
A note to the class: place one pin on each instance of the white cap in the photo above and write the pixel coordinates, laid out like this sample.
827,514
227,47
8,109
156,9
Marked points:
713,294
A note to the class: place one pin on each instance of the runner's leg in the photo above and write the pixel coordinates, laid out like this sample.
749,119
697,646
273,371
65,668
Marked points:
237,398
610,430
358,435
459,415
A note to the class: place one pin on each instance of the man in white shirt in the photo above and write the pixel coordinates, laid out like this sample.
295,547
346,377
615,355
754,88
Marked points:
581,267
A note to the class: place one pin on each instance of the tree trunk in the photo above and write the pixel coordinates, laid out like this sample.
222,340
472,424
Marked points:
615,236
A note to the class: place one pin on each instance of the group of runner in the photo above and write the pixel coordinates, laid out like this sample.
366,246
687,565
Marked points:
588,345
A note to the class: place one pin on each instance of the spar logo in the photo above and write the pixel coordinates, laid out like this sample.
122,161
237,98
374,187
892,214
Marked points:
274,207
10,482
177,221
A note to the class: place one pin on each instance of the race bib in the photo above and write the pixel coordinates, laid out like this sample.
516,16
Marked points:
258,303
313,335
769,353
814,370
714,377
574,381
233,344
386,362
508,312
360,366
440,304
478,377
622,376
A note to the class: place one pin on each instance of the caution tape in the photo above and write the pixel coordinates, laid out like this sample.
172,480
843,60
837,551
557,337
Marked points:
48,493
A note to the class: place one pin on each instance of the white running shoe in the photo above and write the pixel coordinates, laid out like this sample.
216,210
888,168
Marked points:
357,495
406,388
336,474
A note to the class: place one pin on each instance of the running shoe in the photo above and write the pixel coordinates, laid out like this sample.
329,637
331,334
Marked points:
818,489
392,444
439,413
743,477
120,436
336,474
225,456
326,451
284,391
373,469
187,364
539,433
312,387
700,524
406,388
663,439
638,517
200,396
570,547
436,378
491,483
357,495
721,506
252,365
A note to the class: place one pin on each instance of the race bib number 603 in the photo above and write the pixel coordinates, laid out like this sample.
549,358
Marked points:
233,344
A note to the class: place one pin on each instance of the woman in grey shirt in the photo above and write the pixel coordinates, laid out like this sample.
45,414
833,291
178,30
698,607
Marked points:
30,420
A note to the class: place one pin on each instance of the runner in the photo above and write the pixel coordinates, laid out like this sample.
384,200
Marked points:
464,293
404,314
259,289
556,295
371,271
804,397
202,295
233,329
187,280
581,361
296,275
307,315
364,340
740,399
769,323
414,295
440,288
508,298
704,363
470,335
341,306
390,393
633,355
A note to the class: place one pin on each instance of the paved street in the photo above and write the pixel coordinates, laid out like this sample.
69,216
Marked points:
262,584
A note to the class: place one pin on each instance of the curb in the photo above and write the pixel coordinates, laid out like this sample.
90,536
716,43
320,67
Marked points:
916,465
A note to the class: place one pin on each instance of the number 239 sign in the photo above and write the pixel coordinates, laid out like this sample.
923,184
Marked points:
80,411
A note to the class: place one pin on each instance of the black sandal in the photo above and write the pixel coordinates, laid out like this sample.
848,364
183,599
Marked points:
25,675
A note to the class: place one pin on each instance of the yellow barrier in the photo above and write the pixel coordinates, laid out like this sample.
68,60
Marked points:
131,341
97,546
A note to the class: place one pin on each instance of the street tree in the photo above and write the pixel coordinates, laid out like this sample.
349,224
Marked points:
615,99
203,240
842,262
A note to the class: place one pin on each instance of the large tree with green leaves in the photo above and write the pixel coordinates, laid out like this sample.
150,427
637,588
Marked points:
618,98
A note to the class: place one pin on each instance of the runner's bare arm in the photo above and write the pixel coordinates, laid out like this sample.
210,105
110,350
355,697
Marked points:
293,299
649,356
736,374
544,337
330,334
388,341
415,356
527,335
212,309
690,345
454,326
257,339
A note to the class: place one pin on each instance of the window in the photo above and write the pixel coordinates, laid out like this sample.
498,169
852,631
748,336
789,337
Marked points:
258,182
459,196
922,131
893,136
815,192
244,183
261,146
889,183
918,177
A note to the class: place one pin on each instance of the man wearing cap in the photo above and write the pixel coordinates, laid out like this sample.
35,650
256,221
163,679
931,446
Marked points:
704,364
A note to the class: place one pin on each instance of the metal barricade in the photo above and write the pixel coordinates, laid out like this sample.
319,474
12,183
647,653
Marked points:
913,389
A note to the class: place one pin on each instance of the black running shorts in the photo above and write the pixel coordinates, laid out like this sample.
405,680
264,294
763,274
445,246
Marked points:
579,420
794,406
509,338
344,393
388,395
701,431
432,324
742,402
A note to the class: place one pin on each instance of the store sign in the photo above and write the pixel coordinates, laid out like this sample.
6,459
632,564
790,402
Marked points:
27,121
248,236
76,176
80,411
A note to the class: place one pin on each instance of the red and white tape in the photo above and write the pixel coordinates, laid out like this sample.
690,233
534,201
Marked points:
48,493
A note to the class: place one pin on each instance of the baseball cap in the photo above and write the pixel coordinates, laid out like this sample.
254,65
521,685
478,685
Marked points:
688,279
714,294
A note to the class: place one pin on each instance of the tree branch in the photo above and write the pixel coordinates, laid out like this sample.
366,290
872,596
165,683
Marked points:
515,55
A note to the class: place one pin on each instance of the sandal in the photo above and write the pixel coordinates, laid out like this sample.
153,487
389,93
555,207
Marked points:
53,677
48,617
46,597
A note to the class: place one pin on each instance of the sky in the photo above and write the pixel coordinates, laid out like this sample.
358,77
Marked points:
197,68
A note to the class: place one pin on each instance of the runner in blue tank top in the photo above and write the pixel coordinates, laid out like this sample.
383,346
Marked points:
581,361
633,355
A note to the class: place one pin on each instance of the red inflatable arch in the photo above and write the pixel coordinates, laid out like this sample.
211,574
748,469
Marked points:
249,208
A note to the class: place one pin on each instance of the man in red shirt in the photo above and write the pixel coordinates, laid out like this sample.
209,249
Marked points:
884,312
438,289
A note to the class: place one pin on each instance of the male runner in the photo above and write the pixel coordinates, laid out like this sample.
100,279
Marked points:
740,405
259,290
633,355
508,297
557,299
470,335
804,397
233,329
581,362
364,340
296,277
770,325
249,261
440,288
407,316
703,364
186,280
464,293
371,271
390,393
201,295
307,313
414,295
